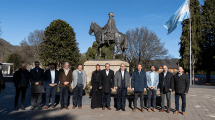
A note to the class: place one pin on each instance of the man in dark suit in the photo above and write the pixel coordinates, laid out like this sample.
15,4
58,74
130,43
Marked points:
165,86
181,88
51,80
21,82
37,88
106,83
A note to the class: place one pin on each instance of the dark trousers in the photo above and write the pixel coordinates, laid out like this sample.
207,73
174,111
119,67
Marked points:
106,99
168,97
36,97
121,98
151,94
77,95
50,91
64,93
183,97
141,99
18,90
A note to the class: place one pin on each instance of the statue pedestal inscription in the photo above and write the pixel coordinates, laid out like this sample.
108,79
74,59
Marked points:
90,66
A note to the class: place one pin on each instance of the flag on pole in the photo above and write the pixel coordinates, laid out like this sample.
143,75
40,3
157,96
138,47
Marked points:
181,14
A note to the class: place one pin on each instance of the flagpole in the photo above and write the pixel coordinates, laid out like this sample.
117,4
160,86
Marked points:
190,44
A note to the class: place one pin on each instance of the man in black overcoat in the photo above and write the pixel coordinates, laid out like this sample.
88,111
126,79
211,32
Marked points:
37,88
21,82
106,83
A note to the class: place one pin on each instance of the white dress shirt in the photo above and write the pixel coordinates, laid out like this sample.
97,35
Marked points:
107,72
122,72
52,75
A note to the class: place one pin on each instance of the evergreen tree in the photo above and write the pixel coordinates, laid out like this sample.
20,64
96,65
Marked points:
196,39
16,59
208,36
59,45
106,51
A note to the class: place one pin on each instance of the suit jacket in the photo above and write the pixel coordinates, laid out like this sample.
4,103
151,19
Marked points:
37,77
138,81
17,77
106,82
48,79
118,78
181,84
2,83
149,81
63,78
168,82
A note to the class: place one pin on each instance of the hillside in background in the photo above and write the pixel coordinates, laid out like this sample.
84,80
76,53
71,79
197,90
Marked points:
5,49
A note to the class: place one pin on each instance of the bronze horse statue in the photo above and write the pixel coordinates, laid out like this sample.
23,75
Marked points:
121,42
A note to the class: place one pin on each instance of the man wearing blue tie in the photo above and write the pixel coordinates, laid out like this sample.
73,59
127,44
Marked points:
51,80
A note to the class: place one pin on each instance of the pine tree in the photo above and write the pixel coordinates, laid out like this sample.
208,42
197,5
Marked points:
59,45
106,51
208,36
196,39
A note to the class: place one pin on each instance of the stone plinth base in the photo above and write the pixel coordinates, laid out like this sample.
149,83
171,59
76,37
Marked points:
90,66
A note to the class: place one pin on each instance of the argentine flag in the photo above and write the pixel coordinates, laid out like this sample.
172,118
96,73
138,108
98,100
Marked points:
181,14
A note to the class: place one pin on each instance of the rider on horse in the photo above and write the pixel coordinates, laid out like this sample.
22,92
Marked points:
110,27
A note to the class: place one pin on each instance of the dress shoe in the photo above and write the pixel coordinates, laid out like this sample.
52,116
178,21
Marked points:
134,109
123,109
117,109
53,107
66,107
183,113
161,110
32,108
149,110
154,109
46,107
176,112
16,109
103,108
61,108
73,107
168,111
109,108
79,107
142,110
39,108
22,107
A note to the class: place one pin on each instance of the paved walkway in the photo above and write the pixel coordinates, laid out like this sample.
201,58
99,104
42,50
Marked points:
200,105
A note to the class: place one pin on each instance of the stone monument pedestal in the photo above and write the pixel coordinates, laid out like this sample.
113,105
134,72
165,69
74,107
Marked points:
90,66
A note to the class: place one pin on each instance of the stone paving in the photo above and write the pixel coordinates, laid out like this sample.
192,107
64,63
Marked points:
200,106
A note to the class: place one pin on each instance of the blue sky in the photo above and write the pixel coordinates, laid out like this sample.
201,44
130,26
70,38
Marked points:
20,17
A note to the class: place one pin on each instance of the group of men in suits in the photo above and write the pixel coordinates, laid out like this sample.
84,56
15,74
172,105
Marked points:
141,82
49,80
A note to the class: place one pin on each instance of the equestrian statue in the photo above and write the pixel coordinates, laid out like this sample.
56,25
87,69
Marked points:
108,35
